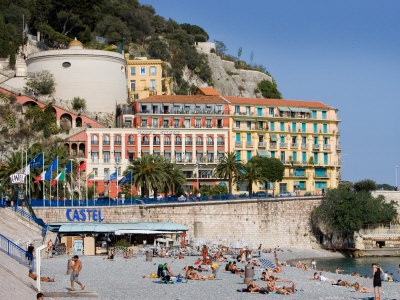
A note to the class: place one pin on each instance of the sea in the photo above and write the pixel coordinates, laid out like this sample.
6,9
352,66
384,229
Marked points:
360,265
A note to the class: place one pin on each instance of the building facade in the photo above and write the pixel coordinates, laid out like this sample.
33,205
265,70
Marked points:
145,78
196,131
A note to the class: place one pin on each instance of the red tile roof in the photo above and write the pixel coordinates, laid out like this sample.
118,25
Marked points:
207,91
276,102
183,99
81,136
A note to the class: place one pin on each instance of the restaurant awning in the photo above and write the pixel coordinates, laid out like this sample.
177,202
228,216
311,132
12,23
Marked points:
127,231
283,108
295,109
305,110
262,153
273,137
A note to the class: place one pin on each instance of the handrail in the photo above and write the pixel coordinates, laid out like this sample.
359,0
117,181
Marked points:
28,216
16,252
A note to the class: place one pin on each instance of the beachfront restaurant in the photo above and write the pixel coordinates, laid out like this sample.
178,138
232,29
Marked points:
96,238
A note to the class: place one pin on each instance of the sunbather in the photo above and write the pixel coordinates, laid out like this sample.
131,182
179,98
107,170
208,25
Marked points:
234,269
169,270
361,289
34,277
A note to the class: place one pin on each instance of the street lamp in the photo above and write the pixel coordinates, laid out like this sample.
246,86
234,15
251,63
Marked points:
396,176
64,190
116,165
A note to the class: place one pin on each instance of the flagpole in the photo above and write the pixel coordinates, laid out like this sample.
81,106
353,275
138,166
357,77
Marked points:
86,186
51,173
72,192
131,189
26,177
57,182
43,181
94,194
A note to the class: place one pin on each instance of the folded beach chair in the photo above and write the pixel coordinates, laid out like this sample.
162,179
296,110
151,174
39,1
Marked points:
267,264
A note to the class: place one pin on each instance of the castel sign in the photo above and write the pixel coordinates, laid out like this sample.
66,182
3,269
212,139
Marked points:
82,215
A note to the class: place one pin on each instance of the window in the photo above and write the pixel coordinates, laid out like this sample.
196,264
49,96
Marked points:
155,122
117,140
260,138
178,140
314,114
303,127
282,187
282,126
271,111
66,64
304,140
145,140
238,155
96,171
117,157
131,155
259,111
131,140
248,138
133,70
156,140
178,156
315,157
167,140
315,140
219,123
95,157
326,141
95,140
209,141
167,155
282,139
188,140
220,156
304,157
198,123
294,156
272,126
325,158
220,141
144,123
156,153
106,140
176,123
248,110
142,70
219,109
273,154
199,141
248,155
166,123
325,127
324,115
153,70
187,123
188,156
152,84
106,156
237,137
210,156
315,128
248,125
237,124
237,110
199,156
208,123
293,127
106,172
133,85
283,156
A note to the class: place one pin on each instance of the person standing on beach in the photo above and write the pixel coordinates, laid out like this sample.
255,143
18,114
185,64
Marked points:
76,269
313,264
377,281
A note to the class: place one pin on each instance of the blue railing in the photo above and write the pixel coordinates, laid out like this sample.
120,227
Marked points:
136,201
16,252
28,216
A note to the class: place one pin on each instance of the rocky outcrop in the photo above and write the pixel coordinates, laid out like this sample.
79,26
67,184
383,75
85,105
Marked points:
228,80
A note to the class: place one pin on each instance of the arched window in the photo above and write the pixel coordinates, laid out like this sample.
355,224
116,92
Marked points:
117,140
106,140
95,140
209,140
199,140
188,140
178,140
156,140
220,140
131,140
145,140
167,140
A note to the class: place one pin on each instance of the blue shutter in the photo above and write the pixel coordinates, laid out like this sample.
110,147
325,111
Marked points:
249,137
237,137
294,156
248,155
304,158
282,126
294,127
315,157
325,158
325,128
303,127
259,111
324,115
272,126
314,114
320,172
238,155
315,128
272,154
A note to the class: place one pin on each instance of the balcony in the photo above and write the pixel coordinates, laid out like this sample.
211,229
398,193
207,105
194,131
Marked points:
316,146
238,143
249,144
156,143
155,125
143,125
210,144
167,143
131,143
188,160
294,145
166,126
145,143
262,144
106,143
209,126
95,143
304,146
327,147
220,126
188,143
220,143
117,143
283,145
199,143
298,175
321,175
178,143
197,126
273,145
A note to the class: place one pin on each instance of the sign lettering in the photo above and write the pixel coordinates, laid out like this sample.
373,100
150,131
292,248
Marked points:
17,178
84,214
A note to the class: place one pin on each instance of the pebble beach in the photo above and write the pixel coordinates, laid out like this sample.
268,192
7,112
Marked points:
129,279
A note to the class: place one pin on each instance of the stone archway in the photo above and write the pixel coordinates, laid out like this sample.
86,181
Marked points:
78,122
82,150
65,122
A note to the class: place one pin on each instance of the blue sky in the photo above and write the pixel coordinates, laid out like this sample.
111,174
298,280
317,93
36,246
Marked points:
344,53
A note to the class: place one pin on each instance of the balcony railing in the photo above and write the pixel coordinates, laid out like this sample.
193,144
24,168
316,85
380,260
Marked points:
117,143
283,145
316,146
262,144
156,143
188,143
167,143
145,143
178,142
297,175
210,143
304,146
199,143
249,144
294,145
131,143
95,143
106,143
321,175
220,143
166,126
238,143
327,146
273,145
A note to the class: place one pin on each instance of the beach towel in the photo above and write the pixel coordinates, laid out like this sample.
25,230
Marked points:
267,264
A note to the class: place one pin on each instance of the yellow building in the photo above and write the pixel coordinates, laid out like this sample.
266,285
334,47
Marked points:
302,134
145,78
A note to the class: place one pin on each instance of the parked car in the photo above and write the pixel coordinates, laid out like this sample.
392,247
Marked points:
308,194
285,194
262,195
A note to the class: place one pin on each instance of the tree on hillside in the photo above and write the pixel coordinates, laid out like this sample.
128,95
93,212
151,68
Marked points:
158,49
78,103
228,168
269,89
367,185
220,47
40,83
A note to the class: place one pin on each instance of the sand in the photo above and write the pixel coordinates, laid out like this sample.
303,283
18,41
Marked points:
123,279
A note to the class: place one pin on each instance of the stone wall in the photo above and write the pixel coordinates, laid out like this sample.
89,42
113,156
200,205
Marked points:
284,223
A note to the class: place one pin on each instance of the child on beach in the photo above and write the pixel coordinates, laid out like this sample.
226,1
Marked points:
377,281
313,264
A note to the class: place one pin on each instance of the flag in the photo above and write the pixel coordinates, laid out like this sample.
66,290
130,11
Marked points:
52,167
126,178
40,177
68,168
37,161
107,177
25,171
60,177
90,176
113,176
82,167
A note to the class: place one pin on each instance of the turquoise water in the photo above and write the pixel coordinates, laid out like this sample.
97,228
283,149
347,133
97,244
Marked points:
359,265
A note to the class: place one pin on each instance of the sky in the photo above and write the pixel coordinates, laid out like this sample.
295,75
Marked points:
343,53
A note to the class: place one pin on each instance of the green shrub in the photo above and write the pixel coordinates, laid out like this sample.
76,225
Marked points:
122,243
78,103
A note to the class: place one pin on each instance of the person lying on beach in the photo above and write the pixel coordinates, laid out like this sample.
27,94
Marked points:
361,289
255,263
234,269
127,254
355,274
343,283
272,288
110,255
252,287
320,277
300,265
34,277
338,270
193,275
201,269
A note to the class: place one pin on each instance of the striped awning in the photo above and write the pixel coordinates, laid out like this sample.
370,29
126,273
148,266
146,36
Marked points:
263,153
273,137
283,108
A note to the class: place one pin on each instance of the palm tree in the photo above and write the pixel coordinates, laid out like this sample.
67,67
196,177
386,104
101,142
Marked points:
175,179
228,168
10,166
250,174
147,173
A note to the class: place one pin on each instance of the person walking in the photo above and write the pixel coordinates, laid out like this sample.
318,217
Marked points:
76,269
377,281
313,264
29,254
